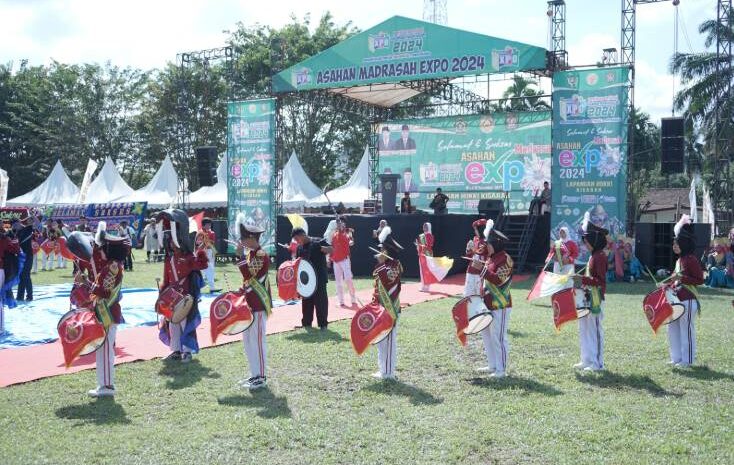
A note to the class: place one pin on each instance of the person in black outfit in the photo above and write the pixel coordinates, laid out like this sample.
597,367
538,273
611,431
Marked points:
439,203
314,249
25,238
405,206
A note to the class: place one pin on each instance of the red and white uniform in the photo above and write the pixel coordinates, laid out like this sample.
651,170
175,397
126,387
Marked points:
12,246
255,266
682,332
341,241
591,331
205,240
564,255
388,275
477,250
497,273
109,277
425,247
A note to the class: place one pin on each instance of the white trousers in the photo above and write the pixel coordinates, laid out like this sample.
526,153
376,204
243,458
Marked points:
496,343
256,348
591,339
176,330
387,353
472,285
682,335
62,262
48,261
35,263
342,275
209,272
106,359
2,301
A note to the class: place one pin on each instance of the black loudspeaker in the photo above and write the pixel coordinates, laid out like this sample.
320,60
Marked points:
672,143
220,230
389,190
206,165
654,243
491,208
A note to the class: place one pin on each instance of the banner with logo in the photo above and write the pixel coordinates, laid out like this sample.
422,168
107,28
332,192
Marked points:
404,49
495,156
112,213
9,214
590,149
250,166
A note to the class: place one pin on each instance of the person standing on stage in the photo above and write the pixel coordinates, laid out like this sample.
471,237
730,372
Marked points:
315,251
476,249
380,227
424,244
387,273
439,203
254,268
341,241
688,274
182,270
564,253
405,205
206,240
496,272
594,285
25,239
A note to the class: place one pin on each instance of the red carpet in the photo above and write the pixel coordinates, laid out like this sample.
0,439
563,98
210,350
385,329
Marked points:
141,343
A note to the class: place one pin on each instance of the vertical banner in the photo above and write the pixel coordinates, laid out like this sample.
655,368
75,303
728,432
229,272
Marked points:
250,166
87,180
4,181
590,150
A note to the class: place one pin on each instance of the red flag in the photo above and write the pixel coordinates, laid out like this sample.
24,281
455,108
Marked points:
229,314
287,280
434,269
64,250
80,333
48,246
460,313
369,325
548,283
195,222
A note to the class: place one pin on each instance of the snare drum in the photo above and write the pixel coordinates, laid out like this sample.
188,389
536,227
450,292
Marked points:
229,314
287,280
662,307
569,305
81,296
370,325
471,316
80,333
173,304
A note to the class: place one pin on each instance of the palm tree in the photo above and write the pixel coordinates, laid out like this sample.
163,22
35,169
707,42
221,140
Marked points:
522,96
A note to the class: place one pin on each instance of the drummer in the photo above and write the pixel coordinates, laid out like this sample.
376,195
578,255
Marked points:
594,285
688,275
476,249
315,250
254,268
564,252
496,272
387,273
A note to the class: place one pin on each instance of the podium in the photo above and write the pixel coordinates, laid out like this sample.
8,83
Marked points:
388,191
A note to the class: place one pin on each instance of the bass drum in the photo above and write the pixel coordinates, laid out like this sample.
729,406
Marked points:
306,285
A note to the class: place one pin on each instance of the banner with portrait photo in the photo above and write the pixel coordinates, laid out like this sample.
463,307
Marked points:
590,150
503,156
250,166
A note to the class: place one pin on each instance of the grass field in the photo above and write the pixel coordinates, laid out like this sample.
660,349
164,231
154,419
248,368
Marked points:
322,406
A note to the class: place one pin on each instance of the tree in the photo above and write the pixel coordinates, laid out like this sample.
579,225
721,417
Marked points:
522,96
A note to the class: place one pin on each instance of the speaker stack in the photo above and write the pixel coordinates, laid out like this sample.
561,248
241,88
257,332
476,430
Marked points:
206,165
672,143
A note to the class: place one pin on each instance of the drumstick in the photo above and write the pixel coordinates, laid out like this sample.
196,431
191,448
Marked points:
158,284
226,282
282,245
379,252
359,301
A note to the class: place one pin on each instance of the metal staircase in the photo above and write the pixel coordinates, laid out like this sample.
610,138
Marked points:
520,230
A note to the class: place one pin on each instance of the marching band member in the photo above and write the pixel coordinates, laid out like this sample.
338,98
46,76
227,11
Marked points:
688,275
564,252
476,249
254,268
205,240
387,274
181,269
103,257
425,247
594,284
7,246
496,273
341,241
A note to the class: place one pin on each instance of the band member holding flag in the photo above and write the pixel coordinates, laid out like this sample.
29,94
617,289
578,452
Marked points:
496,272
425,248
594,285
564,253
476,249
254,268
688,274
341,240
387,273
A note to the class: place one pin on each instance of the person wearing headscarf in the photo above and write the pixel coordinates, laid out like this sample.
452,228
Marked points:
424,244
594,285
254,268
564,252
341,240
476,249
496,273
687,276
387,274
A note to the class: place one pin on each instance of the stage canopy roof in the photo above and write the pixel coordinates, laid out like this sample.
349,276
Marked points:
353,193
212,196
162,189
376,66
108,186
297,186
57,188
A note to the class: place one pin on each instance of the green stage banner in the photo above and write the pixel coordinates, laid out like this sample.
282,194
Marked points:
469,157
590,149
250,166
404,49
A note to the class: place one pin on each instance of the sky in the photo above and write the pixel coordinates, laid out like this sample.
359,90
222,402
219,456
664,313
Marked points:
147,34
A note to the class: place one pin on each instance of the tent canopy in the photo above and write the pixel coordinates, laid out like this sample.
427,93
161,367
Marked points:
377,66
297,186
162,189
108,186
57,188
353,193
212,196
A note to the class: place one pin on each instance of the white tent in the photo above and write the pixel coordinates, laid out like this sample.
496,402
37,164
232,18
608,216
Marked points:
57,188
108,186
297,186
161,191
353,193
212,196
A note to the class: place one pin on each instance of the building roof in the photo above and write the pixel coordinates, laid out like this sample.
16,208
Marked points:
665,199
